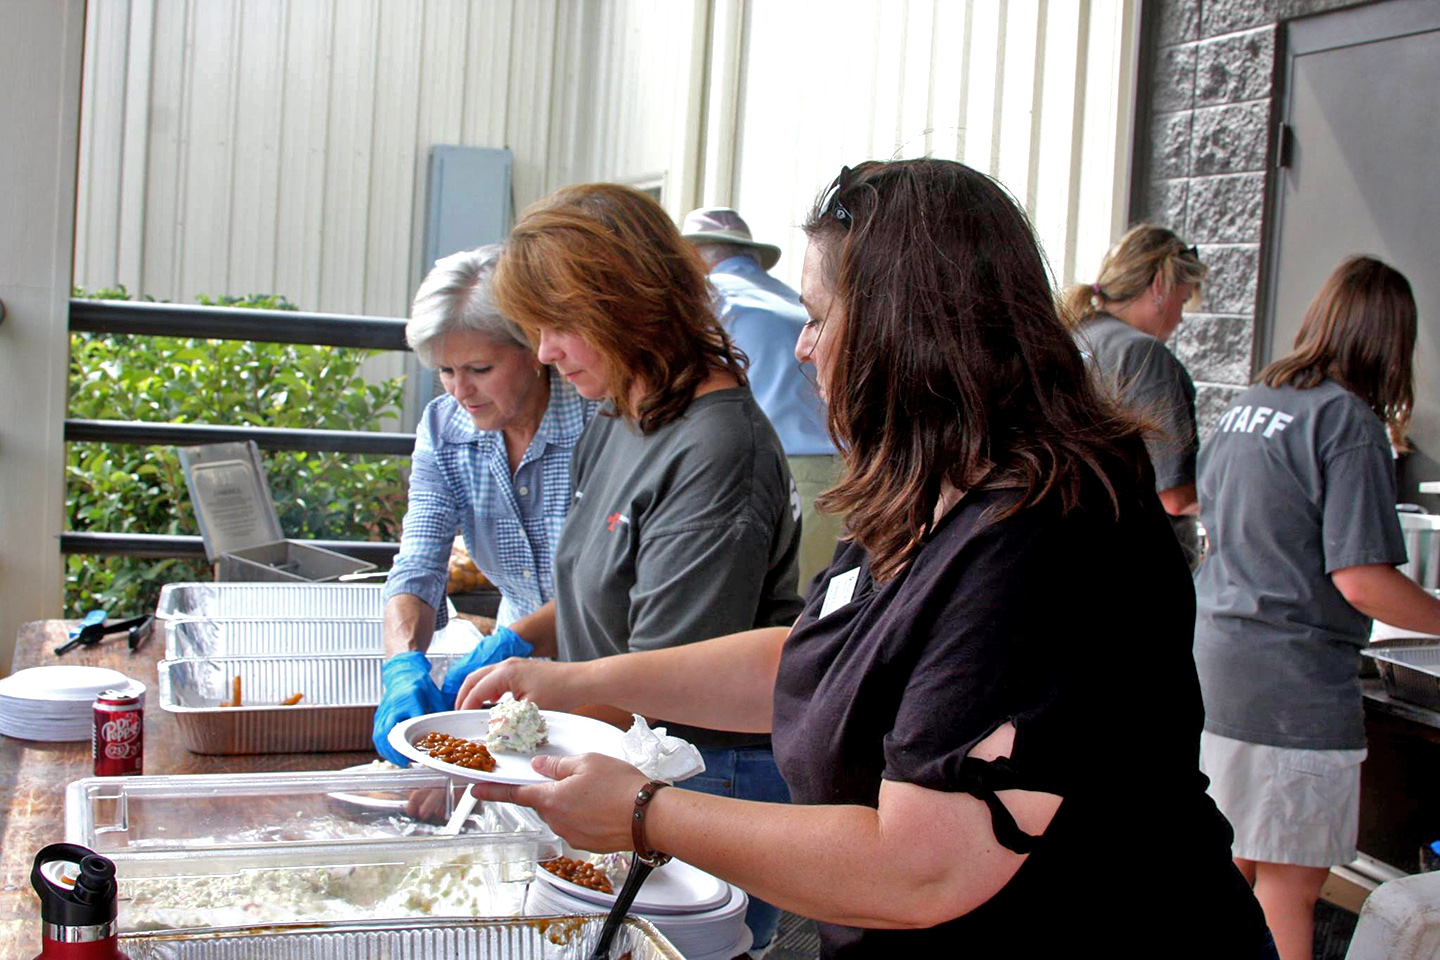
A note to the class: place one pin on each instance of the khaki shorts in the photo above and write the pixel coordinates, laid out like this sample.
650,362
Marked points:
819,532
1287,806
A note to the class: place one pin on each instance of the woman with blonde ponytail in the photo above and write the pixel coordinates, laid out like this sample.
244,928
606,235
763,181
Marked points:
1121,323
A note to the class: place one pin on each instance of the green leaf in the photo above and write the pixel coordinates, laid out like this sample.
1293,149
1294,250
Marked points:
124,487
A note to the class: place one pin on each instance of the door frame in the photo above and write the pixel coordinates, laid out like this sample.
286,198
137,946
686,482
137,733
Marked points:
1383,20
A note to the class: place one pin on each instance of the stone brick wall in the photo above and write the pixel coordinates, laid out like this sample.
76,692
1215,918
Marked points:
1204,133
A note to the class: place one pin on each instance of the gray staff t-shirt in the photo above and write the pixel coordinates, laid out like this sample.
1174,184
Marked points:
687,533
1294,485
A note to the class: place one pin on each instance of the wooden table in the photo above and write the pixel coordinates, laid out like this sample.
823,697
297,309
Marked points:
33,776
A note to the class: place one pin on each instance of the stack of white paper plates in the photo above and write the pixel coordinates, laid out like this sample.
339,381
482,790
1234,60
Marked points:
708,933
55,703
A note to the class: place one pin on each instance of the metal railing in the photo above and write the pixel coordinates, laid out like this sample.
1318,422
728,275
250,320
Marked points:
233,323
139,318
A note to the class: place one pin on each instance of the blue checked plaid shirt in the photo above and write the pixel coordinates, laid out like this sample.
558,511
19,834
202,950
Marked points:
460,481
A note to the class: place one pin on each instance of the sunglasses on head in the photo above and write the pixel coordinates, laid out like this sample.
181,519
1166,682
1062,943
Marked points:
1192,252
830,204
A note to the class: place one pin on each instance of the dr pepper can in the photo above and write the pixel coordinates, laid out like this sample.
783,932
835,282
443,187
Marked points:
119,741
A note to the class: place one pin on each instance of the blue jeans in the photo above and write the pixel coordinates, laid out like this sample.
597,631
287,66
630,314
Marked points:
748,773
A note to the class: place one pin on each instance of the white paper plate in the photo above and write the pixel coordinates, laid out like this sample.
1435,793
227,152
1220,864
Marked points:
697,934
569,735
54,703
745,942
675,888
63,682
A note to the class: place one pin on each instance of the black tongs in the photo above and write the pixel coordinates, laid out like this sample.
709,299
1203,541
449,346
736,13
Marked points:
94,629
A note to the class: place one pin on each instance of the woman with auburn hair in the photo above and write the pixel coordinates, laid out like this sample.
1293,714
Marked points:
684,522
1121,323
1297,487
959,755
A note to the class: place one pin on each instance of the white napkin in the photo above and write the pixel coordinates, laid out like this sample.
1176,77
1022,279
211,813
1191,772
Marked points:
658,756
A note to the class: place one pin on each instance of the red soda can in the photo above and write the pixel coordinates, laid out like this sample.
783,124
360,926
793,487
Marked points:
119,742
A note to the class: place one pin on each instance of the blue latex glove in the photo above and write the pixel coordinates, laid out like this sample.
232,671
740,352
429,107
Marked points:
501,644
409,692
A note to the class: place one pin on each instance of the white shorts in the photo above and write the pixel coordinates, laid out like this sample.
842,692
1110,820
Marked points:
1286,805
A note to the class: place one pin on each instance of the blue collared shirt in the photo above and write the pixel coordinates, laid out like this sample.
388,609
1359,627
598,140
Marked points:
764,318
460,481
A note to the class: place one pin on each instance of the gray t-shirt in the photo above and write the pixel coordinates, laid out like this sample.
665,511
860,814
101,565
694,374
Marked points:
684,534
1294,485
1145,376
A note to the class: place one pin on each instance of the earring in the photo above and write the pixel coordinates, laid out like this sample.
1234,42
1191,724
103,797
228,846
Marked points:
539,370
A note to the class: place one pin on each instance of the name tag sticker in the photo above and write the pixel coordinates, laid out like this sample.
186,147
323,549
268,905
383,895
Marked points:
840,591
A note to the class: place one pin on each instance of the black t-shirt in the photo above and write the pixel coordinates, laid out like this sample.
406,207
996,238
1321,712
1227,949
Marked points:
1018,619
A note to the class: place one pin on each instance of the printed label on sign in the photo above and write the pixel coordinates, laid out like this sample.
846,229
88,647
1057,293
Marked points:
840,591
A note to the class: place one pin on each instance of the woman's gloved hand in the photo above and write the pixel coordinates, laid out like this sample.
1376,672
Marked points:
500,645
409,692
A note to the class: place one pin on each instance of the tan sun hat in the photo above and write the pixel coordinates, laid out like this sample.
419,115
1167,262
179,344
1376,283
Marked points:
724,225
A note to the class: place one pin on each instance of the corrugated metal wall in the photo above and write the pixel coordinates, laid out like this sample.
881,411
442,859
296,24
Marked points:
237,146
1035,92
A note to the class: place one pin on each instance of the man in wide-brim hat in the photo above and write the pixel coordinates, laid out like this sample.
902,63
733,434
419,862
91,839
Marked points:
764,317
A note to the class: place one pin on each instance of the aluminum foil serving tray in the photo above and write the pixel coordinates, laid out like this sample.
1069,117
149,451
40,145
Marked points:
538,938
245,850
271,600
271,638
1411,671
336,710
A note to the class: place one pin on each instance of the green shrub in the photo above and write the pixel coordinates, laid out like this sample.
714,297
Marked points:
128,488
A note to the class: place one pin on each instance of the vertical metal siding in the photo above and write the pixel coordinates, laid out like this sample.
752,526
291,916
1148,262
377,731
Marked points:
300,229
628,97
1034,92
239,146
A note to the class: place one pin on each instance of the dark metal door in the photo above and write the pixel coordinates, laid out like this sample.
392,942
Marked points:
1359,158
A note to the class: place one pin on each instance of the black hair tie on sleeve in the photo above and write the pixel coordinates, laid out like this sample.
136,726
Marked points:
980,779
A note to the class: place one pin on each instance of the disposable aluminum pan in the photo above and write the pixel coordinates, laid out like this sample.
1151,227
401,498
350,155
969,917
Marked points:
538,938
200,851
271,601
271,638
339,694
1411,673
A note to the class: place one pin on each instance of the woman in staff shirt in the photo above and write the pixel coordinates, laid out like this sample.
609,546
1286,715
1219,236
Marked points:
960,761
1297,487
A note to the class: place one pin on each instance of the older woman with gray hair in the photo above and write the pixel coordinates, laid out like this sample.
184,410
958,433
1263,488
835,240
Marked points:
491,460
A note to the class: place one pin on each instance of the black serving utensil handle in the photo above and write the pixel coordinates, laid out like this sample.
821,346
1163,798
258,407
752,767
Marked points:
140,629
639,870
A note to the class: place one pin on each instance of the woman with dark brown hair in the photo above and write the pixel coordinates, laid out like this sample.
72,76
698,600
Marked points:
960,753
684,522
1298,492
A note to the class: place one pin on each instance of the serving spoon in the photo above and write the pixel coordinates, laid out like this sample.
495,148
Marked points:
639,870
463,808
